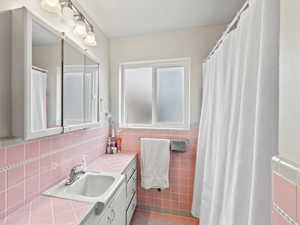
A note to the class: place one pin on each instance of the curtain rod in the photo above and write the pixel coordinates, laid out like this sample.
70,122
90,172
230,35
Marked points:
40,69
229,28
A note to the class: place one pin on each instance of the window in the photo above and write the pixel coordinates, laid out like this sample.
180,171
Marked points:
155,94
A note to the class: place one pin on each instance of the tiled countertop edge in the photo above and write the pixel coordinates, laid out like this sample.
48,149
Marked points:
290,172
284,215
287,169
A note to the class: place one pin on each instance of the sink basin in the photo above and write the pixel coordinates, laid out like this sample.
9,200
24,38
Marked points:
90,187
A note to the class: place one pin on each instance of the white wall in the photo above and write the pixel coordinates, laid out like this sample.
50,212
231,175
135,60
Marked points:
101,50
194,42
5,56
289,98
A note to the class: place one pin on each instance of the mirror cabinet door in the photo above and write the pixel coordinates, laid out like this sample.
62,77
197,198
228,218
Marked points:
46,79
73,86
91,91
81,80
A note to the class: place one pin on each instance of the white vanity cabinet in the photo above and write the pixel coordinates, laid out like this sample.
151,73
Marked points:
114,212
120,209
131,190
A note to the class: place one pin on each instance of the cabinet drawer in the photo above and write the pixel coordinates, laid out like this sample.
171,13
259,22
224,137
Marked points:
130,170
131,187
131,209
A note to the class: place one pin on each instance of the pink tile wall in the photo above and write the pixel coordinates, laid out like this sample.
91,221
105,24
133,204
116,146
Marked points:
285,195
182,169
29,168
298,204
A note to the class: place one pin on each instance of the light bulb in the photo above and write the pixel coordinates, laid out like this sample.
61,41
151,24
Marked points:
80,28
51,5
68,15
90,39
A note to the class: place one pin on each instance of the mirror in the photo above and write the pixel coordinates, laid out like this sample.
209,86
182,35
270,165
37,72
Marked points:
91,90
81,76
73,85
46,79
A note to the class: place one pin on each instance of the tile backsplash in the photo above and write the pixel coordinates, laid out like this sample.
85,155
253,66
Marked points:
286,192
177,198
29,168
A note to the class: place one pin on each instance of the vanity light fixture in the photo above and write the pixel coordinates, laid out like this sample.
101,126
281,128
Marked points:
72,15
80,27
51,5
90,39
67,12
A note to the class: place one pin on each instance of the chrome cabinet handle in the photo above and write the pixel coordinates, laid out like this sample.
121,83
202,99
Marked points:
133,206
108,221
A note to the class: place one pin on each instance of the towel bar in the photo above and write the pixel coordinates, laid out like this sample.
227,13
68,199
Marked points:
176,147
179,139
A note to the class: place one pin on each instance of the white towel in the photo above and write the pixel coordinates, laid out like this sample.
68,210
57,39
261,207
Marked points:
155,163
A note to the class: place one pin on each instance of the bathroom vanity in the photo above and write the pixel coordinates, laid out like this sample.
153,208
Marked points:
130,187
116,208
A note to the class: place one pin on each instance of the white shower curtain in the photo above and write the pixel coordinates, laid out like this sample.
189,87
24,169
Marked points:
239,122
39,100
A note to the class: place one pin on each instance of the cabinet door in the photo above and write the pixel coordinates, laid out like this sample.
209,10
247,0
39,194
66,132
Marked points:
115,212
105,218
36,77
131,209
118,208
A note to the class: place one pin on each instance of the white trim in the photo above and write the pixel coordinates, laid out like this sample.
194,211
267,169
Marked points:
156,64
71,128
149,62
45,133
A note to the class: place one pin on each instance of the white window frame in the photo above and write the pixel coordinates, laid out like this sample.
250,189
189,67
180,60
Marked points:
156,64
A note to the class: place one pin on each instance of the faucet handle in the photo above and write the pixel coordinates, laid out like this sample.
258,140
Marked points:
74,169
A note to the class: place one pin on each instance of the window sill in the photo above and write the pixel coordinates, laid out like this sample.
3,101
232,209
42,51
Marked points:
156,128
72,128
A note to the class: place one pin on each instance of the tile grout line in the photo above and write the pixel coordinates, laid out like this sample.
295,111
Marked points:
289,219
19,164
52,211
30,208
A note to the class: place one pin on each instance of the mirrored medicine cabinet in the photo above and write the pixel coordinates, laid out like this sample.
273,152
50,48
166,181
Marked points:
49,84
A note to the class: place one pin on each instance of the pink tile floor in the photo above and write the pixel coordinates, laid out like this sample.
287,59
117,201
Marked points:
151,218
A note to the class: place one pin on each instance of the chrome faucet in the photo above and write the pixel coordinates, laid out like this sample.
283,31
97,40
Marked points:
75,173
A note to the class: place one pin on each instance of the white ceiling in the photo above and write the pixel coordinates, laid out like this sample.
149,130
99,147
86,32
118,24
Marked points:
132,17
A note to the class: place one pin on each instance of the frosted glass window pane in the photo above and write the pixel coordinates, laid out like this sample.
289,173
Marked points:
138,95
170,96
